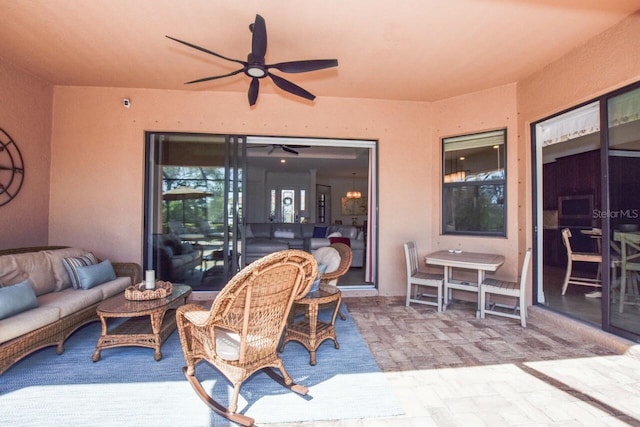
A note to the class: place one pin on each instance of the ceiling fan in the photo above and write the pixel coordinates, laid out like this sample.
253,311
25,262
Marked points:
256,69
284,147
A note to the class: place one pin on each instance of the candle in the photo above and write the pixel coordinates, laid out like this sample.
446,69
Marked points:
150,279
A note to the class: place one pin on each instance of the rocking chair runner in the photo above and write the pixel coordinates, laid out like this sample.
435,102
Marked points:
240,333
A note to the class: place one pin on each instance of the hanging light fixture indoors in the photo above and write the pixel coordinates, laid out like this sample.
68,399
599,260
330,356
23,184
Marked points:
353,194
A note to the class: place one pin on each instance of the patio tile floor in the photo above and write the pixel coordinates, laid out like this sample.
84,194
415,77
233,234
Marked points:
451,369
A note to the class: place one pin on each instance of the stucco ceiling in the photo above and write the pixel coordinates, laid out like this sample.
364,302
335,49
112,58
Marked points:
417,50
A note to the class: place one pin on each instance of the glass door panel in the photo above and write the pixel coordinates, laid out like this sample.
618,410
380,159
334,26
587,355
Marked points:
623,214
193,208
569,156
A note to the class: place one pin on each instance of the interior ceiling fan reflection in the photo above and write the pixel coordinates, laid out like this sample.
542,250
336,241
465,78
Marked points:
287,148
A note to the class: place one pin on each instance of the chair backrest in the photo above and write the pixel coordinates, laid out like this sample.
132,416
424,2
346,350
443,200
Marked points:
255,303
177,227
524,271
326,255
411,258
566,236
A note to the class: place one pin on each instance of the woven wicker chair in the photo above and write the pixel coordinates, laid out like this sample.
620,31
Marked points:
331,277
240,333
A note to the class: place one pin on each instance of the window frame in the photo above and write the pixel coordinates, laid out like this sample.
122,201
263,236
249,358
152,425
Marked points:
446,186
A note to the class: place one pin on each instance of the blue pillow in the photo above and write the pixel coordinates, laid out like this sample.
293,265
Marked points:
72,264
316,283
96,274
17,298
320,232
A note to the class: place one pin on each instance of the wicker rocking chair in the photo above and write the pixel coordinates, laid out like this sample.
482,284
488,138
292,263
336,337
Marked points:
240,333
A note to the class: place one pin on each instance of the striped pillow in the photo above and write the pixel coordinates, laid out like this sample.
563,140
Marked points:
72,264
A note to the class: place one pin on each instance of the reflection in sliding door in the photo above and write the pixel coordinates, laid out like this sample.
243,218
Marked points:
623,214
193,208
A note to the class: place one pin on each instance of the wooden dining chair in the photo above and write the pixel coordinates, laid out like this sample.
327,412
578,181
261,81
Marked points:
417,277
572,257
629,268
240,333
516,290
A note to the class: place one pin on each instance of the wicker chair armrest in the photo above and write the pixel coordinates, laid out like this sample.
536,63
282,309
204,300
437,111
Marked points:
130,269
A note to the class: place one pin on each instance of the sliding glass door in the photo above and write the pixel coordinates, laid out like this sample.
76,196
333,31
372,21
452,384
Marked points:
194,207
588,201
623,215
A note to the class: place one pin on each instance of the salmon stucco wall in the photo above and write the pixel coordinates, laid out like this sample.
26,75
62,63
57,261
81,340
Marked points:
97,184
25,114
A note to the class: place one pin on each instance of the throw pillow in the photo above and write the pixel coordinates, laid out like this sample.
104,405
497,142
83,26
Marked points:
17,298
319,232
328,256
96,274
344,240
335,234
72,264
316,283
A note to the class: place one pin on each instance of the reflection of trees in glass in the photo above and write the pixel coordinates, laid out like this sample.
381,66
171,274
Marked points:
475,208
208,179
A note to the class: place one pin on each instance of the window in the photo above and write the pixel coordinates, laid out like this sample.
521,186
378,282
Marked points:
474,184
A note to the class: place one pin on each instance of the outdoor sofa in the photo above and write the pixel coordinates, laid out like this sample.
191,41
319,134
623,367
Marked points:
39,306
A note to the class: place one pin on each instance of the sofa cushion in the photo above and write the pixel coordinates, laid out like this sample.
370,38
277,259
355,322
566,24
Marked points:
96,274
32,265
27,321
17,298
69,301
60,273
284,234
114,287
72,264
261,230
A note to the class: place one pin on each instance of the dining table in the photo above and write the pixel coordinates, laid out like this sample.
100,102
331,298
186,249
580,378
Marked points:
450,259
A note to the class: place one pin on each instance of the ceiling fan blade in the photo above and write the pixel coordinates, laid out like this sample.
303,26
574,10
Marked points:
304,66
286,85
289,150
253,90
233,73
201,49
259,39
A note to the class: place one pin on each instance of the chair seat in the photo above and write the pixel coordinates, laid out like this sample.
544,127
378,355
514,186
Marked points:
227,344
423,276
498,286
586,257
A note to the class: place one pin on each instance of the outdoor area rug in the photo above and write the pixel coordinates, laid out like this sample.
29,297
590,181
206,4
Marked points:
129,388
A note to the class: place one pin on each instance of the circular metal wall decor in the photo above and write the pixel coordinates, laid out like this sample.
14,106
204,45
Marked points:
11,168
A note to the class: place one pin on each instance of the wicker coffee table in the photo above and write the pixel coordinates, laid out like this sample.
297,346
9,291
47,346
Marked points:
309,331
149,322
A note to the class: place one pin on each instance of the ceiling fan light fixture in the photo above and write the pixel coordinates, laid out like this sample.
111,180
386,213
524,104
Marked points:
256,71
